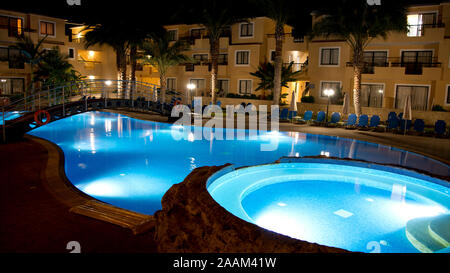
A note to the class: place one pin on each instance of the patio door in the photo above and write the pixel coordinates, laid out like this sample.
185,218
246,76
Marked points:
200,86
419,97
372,95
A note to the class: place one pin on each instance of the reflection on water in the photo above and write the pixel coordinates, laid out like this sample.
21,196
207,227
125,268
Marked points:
107,144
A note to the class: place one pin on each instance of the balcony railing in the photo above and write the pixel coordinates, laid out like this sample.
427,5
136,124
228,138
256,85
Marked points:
296,38
411,68
419,30
203,34
297,66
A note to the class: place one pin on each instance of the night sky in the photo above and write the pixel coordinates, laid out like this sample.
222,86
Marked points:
160,12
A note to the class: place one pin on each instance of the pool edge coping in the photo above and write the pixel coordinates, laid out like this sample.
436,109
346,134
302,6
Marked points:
59,186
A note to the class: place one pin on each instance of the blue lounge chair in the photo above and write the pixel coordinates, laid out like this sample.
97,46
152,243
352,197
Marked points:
284,114
320,118
392,115
292,114
419,126
335,118
351,121
440,127
392,124
363,121
405,124
374,121
306,117
219,103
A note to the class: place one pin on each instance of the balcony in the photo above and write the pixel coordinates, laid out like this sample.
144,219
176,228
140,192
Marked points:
297,66
420,30
411,68
202,34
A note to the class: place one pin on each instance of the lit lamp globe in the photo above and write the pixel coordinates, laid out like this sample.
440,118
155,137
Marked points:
329,92
191,86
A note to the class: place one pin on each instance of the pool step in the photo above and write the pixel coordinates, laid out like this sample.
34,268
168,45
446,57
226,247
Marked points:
137,222
429,234
439,229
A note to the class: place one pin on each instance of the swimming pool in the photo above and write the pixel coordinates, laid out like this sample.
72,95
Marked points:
350,205
131,163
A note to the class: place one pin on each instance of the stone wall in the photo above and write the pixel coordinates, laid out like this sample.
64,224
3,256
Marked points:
191,221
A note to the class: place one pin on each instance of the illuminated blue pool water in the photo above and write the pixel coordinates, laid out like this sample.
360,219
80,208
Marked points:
10,116
131,163
348,206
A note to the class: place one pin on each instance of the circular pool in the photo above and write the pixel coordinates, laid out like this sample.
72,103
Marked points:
351,205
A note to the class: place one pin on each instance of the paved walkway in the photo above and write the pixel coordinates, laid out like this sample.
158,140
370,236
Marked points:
33,220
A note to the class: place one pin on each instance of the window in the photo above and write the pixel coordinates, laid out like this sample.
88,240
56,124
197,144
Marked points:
200,86
4,54
376,58
173,35
418,57
47,28
419,97
222,85
71,53
200,58
246,30
418,22
245,87
15,59
242,57
272,55
372,95
197,33
329,56
336,86
13,24
171,84
10,86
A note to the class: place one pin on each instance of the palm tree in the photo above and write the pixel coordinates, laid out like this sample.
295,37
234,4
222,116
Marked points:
280,11
114,34
266,74
217,17
55,69
358,24
162,53
31,52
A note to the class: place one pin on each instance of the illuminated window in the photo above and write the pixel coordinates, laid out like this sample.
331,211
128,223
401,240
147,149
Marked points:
47,28
13,24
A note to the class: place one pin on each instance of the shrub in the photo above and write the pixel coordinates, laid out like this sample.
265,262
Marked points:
308,99
438,108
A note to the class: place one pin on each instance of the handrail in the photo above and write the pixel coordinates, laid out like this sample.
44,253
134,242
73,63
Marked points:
79,91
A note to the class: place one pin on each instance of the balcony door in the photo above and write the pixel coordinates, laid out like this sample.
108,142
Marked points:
419,97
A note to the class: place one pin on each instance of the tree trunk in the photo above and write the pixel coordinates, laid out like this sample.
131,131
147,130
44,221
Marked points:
122,70
357,89
214,51
358,63
278,64
133,59
163,83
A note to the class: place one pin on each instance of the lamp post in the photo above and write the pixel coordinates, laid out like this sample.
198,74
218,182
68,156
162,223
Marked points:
190,87
329,93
